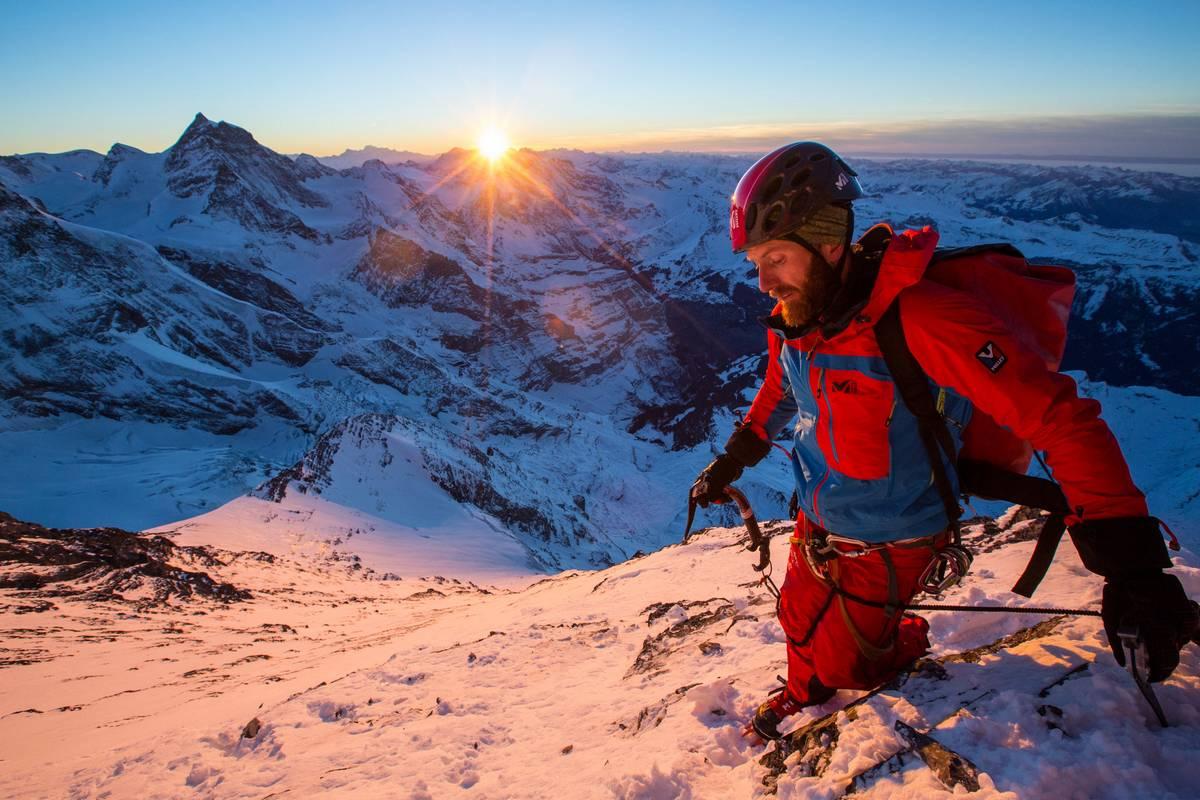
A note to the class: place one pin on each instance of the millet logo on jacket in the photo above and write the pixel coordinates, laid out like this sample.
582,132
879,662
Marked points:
846,387
992,357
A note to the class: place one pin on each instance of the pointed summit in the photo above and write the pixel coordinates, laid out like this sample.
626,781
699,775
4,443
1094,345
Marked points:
198,124
241,179
204,133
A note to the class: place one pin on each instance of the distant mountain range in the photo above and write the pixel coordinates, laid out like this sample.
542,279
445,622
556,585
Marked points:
356,158
555,346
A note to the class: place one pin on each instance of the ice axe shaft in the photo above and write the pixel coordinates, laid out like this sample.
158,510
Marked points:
1136,661
757,540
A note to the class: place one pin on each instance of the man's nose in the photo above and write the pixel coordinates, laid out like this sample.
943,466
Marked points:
766,281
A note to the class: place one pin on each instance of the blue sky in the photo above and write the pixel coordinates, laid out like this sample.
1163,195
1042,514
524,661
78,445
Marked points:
321,77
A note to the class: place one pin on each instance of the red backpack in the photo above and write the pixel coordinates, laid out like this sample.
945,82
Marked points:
1034,302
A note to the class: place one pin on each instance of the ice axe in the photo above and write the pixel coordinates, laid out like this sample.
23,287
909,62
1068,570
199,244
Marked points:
1136,661
757,540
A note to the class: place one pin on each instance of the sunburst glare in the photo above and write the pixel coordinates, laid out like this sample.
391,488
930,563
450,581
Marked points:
493,144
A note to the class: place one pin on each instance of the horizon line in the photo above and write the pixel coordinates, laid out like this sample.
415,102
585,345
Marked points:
1058,137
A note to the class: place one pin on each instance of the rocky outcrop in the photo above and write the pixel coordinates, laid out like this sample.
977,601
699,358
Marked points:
1133,330
39,563
402,273
86,313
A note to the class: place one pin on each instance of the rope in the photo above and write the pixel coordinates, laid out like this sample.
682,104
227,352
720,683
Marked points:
1068,612
762,544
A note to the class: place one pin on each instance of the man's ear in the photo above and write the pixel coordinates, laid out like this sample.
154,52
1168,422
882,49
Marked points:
832,252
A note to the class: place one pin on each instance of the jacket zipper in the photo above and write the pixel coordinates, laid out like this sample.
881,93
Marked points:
824,395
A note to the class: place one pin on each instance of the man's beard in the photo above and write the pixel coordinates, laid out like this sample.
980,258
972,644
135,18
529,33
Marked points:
806,303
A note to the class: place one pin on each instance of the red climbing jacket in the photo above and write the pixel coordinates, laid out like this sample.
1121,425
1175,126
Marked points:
861,470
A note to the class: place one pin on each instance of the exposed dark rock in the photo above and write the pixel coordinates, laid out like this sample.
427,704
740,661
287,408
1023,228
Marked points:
116,154
387,363
101,563
402,273
656,648
17,165
653,715
1129,331
242,180
249,285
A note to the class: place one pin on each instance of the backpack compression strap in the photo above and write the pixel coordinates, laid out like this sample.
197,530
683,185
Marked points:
990,482
975,477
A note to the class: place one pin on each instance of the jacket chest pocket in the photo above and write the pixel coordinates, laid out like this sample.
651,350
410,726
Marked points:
855,411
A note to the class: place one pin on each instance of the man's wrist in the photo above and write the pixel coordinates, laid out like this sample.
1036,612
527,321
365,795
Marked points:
1121,548
746,446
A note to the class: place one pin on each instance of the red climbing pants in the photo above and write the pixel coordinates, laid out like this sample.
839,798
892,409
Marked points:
835,642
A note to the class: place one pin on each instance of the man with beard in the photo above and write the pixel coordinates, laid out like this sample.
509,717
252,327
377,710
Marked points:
877,498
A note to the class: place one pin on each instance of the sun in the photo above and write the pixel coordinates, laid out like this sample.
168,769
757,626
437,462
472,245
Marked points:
492,144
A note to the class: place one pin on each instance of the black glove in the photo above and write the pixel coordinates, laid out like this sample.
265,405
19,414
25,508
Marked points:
711,482
1156,606
1130,554
743,449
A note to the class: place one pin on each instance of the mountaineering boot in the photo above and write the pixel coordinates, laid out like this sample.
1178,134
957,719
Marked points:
765,724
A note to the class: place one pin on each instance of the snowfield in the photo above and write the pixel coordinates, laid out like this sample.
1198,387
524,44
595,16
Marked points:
628,682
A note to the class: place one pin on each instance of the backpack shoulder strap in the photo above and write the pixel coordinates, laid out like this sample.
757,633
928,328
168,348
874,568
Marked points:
975,477
913,386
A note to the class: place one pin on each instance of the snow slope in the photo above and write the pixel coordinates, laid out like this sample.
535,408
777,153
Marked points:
629,682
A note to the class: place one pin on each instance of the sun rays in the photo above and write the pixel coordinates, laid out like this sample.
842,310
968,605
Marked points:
492,144
493,172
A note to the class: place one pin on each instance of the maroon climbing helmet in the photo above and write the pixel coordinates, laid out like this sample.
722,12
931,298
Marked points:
784,189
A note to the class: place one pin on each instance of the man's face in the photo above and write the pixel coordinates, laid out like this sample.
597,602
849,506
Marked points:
790,274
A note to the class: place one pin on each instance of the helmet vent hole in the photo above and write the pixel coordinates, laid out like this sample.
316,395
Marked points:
800,177
817,157
791,162
772,188
773,217
751,216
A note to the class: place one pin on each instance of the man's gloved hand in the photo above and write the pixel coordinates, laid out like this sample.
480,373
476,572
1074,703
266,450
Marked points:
743,449
1130,554
711,482
1156,605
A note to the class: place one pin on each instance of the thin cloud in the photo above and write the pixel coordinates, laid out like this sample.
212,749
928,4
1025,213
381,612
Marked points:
1166,136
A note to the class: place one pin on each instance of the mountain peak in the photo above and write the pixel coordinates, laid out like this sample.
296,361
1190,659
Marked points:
119,150
199,123
203,134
